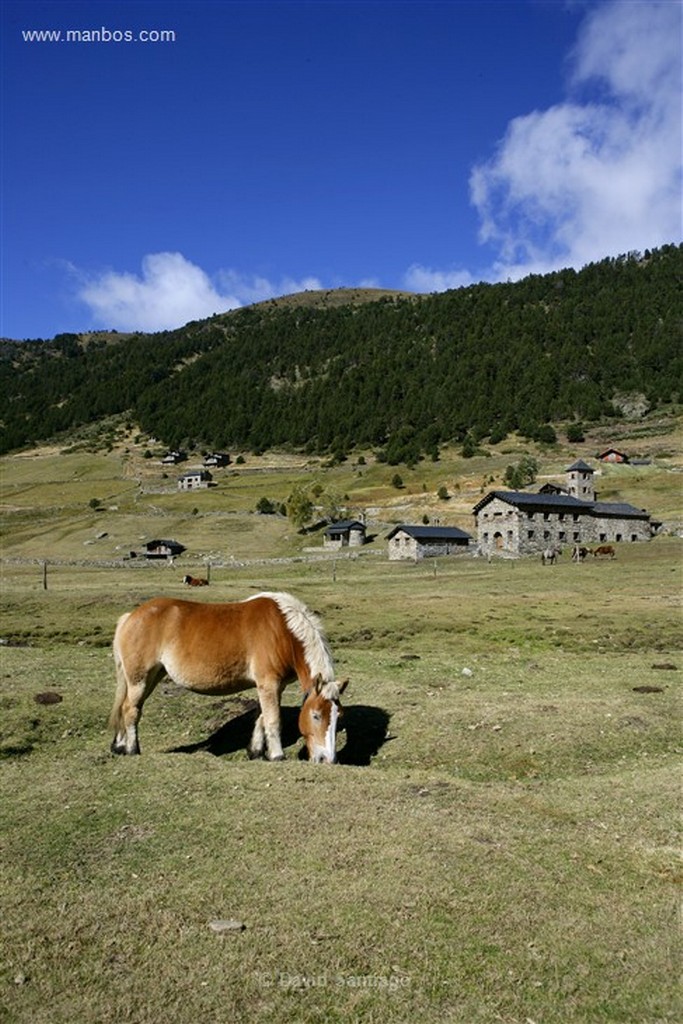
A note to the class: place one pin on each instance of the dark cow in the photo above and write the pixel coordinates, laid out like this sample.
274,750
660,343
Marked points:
579,553
195,581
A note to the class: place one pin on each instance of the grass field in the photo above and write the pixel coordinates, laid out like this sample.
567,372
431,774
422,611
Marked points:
499,842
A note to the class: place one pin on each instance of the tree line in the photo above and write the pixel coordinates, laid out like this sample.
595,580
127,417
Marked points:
400,375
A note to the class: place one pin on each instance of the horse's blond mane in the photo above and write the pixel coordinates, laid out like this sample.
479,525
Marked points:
306,627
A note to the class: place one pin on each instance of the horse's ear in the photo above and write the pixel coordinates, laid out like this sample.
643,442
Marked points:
343,686
318,684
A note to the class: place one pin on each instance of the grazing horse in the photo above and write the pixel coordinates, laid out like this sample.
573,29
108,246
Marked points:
605,551
195,581
549,556
264,641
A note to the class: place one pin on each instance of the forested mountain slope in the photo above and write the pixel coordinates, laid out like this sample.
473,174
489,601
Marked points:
407,372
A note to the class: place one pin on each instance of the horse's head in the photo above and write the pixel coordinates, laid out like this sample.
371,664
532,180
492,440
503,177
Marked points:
318,719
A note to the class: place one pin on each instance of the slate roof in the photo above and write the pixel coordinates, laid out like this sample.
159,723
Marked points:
552,489
430,532
563,503
581,466
528,499
343,526
619,509
172,545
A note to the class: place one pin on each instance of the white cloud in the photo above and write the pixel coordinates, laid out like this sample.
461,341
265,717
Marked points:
598,174
172,291
635,47
423,279
589,178
256,289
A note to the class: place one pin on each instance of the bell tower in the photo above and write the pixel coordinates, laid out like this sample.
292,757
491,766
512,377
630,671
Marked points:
580,481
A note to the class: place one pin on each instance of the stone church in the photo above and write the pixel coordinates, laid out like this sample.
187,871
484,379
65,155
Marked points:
525,523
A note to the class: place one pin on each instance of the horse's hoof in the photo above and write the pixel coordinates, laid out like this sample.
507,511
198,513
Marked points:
278,757
121,751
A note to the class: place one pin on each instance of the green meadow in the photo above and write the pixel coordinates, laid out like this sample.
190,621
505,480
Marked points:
499,841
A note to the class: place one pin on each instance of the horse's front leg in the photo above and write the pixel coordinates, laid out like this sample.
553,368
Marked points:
267,729
258,739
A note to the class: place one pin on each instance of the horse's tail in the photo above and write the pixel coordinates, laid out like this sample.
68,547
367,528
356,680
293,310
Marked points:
116,717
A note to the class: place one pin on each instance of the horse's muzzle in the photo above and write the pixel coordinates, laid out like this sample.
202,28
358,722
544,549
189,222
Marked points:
322,757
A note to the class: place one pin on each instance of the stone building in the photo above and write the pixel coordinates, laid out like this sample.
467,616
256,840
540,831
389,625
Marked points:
162,549
416,542
580,481
525,523
348,533
172,458
216,459
195,479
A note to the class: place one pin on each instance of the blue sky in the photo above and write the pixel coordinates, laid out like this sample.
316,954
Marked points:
268,147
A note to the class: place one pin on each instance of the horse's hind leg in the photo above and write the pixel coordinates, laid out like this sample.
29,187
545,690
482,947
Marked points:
126,727
130,698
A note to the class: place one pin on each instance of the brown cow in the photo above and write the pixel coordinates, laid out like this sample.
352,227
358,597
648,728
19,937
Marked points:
604,551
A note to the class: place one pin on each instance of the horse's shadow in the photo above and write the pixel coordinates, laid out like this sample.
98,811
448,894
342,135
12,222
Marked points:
365,728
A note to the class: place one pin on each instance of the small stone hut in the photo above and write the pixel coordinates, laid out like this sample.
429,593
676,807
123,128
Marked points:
417,542
347,533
